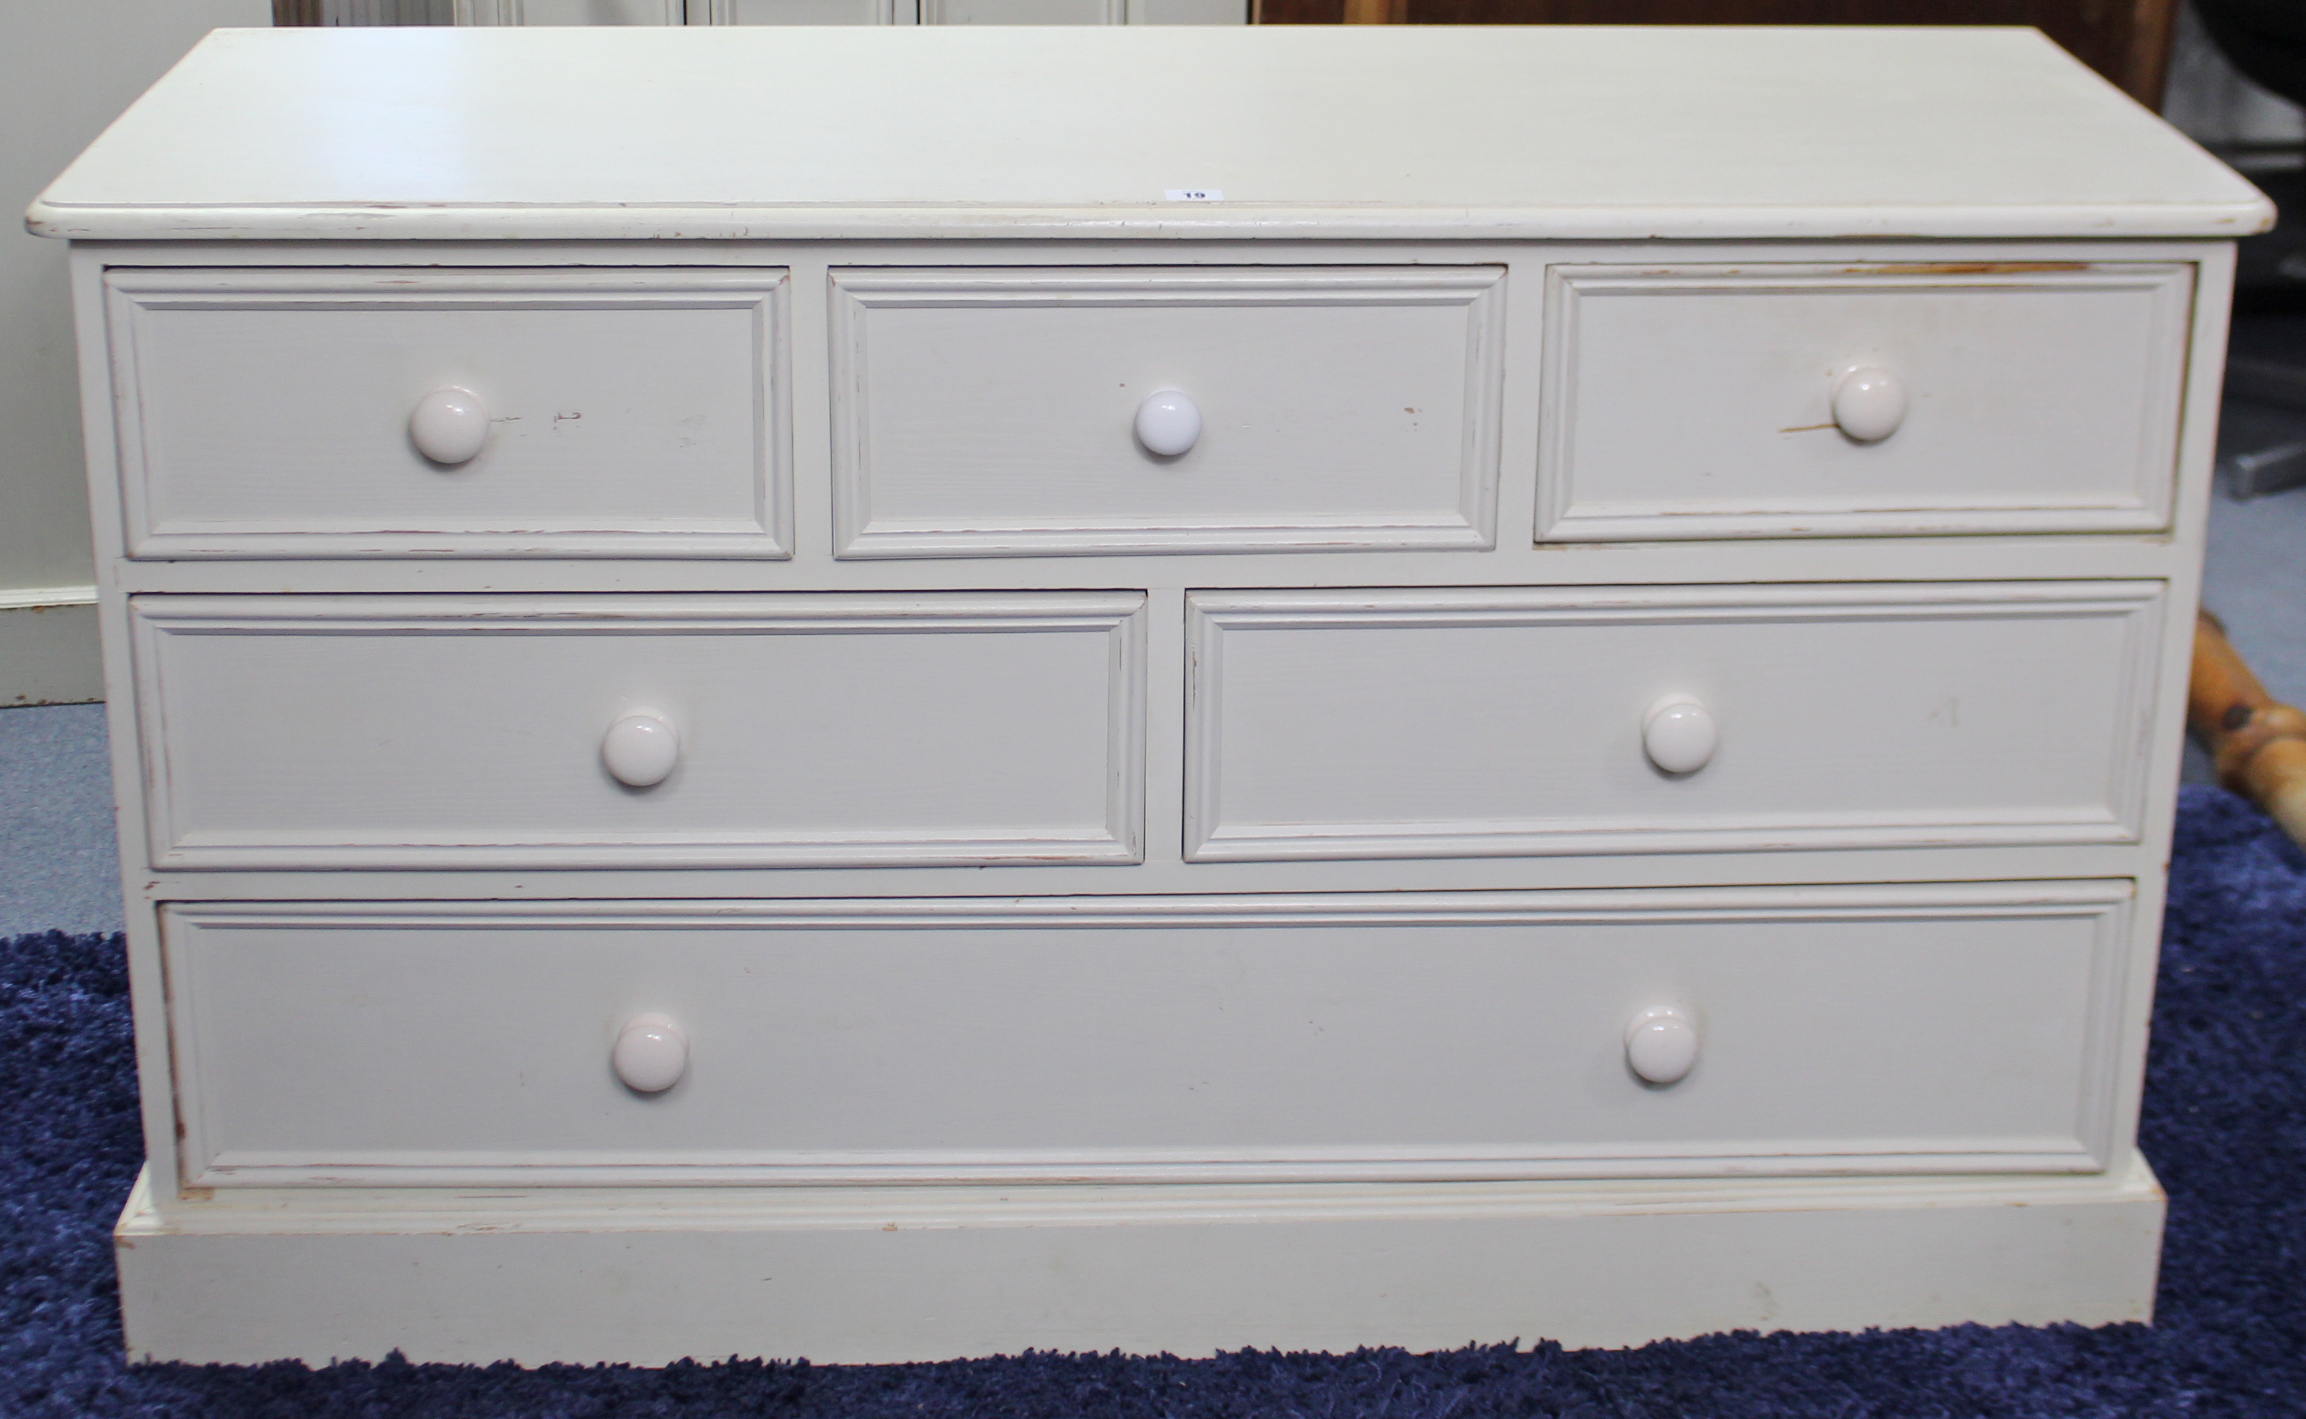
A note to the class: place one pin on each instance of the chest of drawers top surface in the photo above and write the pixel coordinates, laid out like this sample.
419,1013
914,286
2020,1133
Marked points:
1348,133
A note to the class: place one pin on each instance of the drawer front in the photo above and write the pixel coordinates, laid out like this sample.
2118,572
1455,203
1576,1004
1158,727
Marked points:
1701,401
617,413
1484,722
1395,1035
521,731
995,411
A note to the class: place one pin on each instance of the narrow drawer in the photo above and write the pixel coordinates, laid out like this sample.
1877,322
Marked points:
623,731
1395,1035
1483,722
267,413
996,411
1711,401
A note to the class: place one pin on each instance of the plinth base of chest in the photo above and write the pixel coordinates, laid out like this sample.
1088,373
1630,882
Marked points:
883,1275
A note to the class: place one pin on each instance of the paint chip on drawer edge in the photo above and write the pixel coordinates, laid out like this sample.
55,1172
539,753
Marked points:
1193,194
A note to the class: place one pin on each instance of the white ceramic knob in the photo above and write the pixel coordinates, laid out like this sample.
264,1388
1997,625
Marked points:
1661,1045
1168,422
640,750
1679,735
449,425
652,1053
1869,403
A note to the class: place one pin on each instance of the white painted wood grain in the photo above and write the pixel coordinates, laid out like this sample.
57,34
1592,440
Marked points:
1690,401
265,413
338,732
1845,1030
989,411
1415,723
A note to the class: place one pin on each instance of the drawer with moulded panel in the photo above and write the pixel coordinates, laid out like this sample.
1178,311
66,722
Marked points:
422,412
1021,412
1453,722
1861,400
1662,1032
761,730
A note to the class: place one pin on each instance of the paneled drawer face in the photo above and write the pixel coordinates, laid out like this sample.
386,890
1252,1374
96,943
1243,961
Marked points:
996,411
1484,722
631,731
569,413
1711,401
1845,1030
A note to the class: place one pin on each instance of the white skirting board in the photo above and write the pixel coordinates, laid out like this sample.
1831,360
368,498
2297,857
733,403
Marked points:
48,647
866,1275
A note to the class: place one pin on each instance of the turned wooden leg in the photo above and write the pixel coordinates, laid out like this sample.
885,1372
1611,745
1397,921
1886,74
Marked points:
2259,745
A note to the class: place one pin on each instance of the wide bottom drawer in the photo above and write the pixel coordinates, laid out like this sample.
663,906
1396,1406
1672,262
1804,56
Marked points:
1382,1036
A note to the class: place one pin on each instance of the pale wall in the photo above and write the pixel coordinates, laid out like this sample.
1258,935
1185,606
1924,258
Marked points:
66,68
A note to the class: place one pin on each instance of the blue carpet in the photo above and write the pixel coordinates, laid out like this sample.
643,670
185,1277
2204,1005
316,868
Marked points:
2225,1124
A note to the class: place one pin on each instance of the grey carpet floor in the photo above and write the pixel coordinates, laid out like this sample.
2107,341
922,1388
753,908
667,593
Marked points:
59,858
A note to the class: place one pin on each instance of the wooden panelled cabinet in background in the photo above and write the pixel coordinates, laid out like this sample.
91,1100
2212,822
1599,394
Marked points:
887,694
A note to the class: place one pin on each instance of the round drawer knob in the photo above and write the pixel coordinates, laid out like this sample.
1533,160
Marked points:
1168,422
449,425
640,750
652,1053
1869,403
1679,735
1661,1045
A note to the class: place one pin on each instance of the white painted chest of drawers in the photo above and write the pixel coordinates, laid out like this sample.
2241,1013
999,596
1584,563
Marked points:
1167,689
